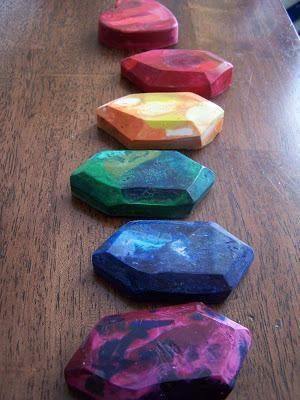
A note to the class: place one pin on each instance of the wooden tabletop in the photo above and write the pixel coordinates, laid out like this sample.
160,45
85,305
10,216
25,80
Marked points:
53,74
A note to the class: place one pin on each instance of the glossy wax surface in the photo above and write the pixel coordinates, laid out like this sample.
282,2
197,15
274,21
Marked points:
138,24
163,184
181,70
169,260
187,351
161,120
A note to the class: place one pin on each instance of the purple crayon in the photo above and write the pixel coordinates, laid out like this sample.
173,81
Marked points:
172,353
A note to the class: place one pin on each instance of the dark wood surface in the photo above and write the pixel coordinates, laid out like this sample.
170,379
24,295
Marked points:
53,75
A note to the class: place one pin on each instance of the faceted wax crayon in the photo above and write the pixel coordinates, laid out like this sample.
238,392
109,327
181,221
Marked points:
173,260
173,353
138,24
161,120
179,70
164,184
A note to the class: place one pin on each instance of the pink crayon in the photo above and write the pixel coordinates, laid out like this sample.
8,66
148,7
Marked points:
197,71
138,24
186,351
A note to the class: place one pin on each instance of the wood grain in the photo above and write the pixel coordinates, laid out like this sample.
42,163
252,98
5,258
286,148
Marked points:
53,75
